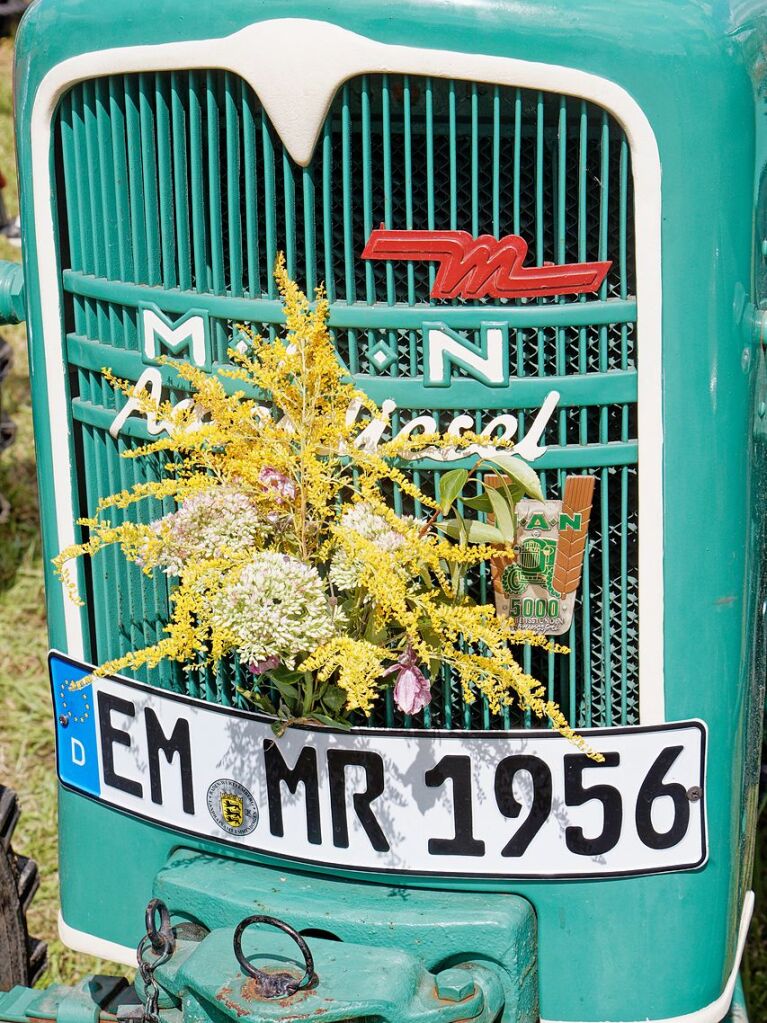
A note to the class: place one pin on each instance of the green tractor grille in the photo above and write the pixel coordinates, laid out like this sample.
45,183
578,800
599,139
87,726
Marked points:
177,182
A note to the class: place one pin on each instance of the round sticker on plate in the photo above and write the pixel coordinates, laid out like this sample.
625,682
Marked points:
232,807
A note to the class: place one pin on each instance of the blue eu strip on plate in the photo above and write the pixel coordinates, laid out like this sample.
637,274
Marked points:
76,748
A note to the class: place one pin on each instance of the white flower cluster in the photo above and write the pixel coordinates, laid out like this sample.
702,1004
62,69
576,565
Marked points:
345,569
205,526
276,608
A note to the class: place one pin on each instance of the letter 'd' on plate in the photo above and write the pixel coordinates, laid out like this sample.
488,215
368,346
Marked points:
476,804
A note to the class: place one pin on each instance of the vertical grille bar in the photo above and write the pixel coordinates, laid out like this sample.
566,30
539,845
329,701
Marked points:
120,179
289,191
386,134
430,206
517,158
97,322
88,141
136,608
74,207
213,141
347,215
539,212
367,191
250,167
453,158
180,140
198,195
474,160
270,217
124,623
307,183
149,170
106,192
135,179
233,175
165,180
412,345
496,161
327,209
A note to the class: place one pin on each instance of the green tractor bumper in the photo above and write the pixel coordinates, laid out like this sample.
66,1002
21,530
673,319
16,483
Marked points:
251,943
352,952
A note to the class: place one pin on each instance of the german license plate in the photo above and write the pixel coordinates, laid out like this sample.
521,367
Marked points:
481,804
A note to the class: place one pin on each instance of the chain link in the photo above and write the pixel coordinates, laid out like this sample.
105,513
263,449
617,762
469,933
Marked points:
162,943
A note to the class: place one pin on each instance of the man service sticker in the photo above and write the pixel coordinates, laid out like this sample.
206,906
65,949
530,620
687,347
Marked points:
232,807
537,588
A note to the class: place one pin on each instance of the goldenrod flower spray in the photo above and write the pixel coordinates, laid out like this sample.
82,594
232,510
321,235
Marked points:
284,553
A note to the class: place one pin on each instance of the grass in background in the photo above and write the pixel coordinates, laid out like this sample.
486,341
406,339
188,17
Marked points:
26,729
26,723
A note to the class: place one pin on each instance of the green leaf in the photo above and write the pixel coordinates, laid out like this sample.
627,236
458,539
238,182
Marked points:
520,472
308,695
480,504
463,533
475,532
333,722
285,689
286,675
259,700
503,510
334,698
450,486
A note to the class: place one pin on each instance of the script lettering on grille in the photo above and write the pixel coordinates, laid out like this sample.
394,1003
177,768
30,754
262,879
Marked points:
484,267
502,427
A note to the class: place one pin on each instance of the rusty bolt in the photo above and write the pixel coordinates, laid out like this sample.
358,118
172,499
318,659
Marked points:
455,985
695,793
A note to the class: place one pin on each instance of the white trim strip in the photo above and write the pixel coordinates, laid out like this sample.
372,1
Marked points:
79,941
298,68
715,1011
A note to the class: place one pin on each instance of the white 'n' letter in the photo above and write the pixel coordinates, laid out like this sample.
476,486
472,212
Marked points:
487,362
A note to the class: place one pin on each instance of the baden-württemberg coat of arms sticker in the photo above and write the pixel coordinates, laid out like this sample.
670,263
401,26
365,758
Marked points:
232,807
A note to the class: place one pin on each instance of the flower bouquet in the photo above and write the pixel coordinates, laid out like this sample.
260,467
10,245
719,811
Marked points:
285,551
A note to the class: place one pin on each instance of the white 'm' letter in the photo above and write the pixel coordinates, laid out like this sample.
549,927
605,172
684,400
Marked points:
189,333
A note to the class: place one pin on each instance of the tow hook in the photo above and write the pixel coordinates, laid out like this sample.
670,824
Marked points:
265,970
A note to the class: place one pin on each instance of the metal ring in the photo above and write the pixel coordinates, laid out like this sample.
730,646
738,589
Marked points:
259,975
162,938
157,959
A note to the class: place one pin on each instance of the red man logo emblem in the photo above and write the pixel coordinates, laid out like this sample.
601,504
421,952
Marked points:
484,267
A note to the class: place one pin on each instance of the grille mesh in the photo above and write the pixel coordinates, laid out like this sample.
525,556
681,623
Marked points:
177,181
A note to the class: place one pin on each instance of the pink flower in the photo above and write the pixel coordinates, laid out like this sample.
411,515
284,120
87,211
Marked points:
279,482
411,691
260,667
